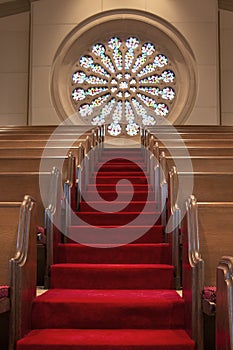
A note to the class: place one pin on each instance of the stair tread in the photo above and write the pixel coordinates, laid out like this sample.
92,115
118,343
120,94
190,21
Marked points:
112,266
158,227
126,246
107,337
108,309
117,213
126,296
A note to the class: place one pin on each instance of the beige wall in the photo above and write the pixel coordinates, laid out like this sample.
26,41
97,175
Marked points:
226,30
52,20
14,44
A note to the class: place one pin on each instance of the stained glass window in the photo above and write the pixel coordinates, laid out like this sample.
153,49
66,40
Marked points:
123,81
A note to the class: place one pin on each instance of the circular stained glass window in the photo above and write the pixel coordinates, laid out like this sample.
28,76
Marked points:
123,82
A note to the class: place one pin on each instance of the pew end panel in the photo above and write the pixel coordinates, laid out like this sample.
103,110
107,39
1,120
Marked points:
174,214
192,273
22,271
214,227
9,214
55,214
224,304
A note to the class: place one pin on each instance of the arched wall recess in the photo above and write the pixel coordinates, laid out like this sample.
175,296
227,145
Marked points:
124,24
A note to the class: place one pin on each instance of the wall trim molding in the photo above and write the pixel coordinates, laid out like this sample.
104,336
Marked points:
225,5
14,7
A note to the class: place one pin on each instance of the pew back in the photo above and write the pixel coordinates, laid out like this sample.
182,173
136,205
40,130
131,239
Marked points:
202,163
15,185
9,216
33,164
208,186
216,235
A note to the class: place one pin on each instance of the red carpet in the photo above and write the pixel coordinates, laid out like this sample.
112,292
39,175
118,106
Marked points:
112,297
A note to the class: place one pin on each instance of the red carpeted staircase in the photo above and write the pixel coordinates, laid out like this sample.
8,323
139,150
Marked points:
106,294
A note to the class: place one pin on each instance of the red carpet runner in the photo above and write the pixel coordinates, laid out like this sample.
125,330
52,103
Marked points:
105,297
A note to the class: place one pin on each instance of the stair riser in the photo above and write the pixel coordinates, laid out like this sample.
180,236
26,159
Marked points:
113,180
118,219
107,315
122,168
129,207
128,339
136,254
112,196
152,234
111,278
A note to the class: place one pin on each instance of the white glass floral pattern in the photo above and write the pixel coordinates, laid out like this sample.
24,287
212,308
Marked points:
123,81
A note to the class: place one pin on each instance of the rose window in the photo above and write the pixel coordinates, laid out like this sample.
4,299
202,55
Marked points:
124,84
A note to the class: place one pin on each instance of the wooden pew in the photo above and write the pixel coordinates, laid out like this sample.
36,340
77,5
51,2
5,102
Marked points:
36,151
208,186
176,186
224,304
205,143
184,133
198,272
199,151
202,163
192,135
15,185
52,156
46,129
63,132
192,273
30,143
200,129
216,235
18,267
206,236
31,164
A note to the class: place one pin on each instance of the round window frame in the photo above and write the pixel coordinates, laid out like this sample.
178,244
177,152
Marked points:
147,27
